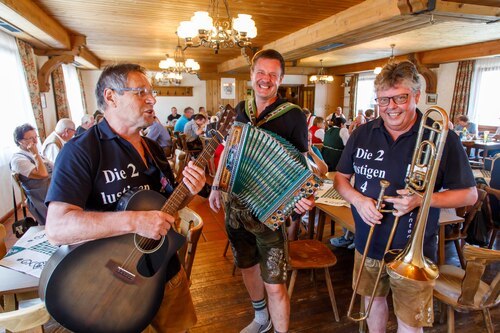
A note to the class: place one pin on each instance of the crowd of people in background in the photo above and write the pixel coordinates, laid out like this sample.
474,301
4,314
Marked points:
33,163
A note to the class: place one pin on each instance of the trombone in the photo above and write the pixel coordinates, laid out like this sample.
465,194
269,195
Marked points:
410,262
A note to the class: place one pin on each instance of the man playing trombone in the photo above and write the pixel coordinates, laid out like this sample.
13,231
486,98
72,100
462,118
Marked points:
383,149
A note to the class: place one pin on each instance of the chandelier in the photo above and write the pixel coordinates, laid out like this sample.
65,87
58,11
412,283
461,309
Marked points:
215,31
321,77
173,68
378,69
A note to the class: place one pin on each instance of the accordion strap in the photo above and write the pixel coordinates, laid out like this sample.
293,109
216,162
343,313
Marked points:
279,111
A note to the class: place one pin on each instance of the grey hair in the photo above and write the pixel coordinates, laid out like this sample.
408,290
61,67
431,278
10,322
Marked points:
114,77
398,73
63,124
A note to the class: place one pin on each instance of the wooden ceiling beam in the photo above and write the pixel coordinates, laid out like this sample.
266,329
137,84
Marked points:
32,20
428,58
45,34
470,12
464,52
492,3
368,20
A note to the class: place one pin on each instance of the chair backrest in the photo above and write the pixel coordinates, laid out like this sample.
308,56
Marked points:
181,140
16,183
471,211
477,259
179,163
25,319
3,247
190,225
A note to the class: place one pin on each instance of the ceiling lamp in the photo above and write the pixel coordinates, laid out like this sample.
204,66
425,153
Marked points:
321,77
173,68
378,69
214,31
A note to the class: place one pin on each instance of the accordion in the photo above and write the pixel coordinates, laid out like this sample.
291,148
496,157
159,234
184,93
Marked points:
265,172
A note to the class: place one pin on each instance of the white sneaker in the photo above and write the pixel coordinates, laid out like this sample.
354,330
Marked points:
255,327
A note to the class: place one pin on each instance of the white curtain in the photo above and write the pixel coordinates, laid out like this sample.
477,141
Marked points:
365,97
484,104
73,93
16,109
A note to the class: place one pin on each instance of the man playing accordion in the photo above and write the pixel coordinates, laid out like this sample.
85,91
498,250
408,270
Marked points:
259,251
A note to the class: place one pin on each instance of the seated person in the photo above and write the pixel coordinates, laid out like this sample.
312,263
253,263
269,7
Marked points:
463,122
193,129
87,122
318,130
160,134
335,140
358,121
34,170
369,115
184,119
64,131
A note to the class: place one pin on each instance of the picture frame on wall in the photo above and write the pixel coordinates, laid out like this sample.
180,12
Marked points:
432,99
43,101
227,86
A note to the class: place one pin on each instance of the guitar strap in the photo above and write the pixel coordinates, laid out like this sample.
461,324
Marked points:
167,180
250,108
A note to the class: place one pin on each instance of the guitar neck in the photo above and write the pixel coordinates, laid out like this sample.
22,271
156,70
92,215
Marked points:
181,192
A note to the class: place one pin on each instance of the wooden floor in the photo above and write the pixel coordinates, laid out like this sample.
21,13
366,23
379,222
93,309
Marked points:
222,303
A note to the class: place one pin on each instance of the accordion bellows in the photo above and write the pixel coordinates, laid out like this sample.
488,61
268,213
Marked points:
266,172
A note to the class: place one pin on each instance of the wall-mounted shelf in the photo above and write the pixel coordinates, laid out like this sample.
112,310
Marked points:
167,91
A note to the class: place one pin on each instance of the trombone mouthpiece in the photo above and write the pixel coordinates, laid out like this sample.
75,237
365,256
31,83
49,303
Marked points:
384,183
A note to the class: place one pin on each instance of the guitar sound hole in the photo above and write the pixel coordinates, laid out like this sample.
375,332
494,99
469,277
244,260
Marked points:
147,245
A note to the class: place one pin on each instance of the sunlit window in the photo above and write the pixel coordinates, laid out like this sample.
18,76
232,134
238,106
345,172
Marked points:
14,98
73,93
365,93
484,107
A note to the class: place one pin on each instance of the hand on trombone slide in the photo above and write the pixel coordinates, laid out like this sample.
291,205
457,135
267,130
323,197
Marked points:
367,209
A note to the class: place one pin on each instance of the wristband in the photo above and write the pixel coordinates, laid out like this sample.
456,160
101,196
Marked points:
215,188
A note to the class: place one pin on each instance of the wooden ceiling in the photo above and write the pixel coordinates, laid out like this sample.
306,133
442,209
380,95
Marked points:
144,31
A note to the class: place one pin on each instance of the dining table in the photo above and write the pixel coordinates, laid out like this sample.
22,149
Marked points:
480,145
20,269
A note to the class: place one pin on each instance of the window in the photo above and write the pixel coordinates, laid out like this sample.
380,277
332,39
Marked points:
16,109
365,93
14,99
484,106
73,93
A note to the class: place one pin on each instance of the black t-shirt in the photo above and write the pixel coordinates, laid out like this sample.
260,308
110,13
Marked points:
372,155
96,168
292,125
172,117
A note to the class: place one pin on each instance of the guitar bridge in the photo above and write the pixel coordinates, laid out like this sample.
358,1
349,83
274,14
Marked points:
121,273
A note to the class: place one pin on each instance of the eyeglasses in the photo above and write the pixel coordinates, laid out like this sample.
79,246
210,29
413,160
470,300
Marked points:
141,92
398,99
33,138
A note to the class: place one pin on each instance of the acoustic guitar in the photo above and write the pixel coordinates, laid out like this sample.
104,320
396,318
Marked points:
116,284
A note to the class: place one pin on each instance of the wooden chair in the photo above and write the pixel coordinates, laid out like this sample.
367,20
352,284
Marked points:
181,138
492,220
191,226
29,319
16,183
312,254
459,231
3,247
179,164
464,291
